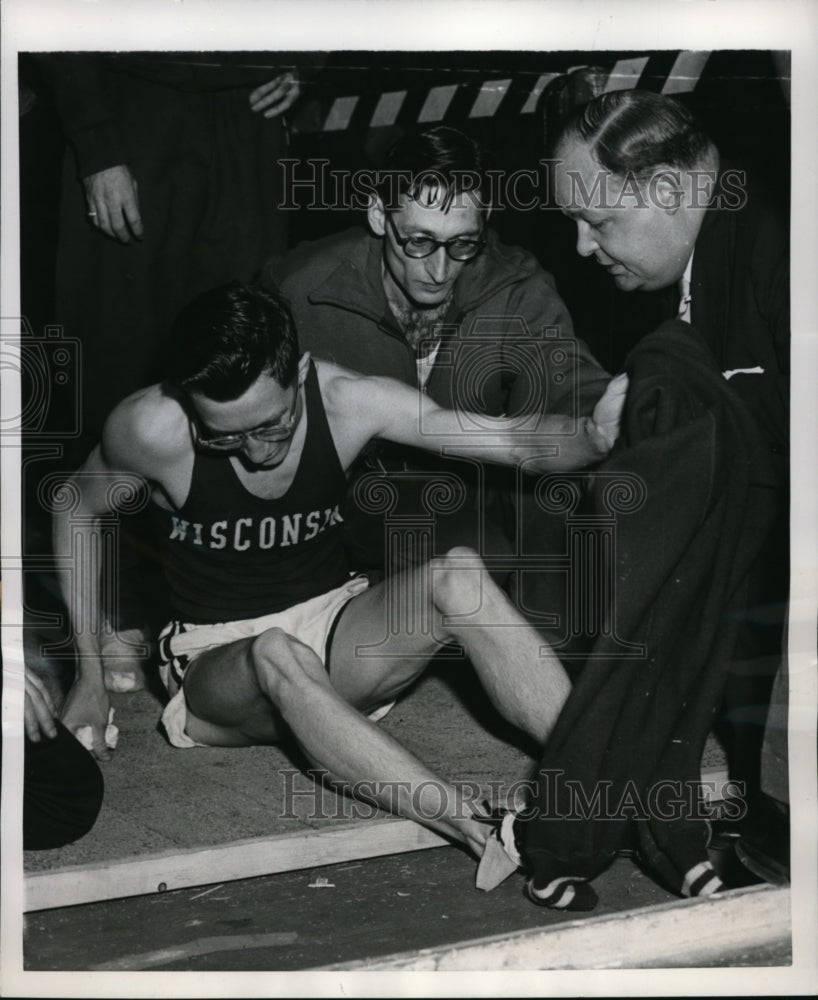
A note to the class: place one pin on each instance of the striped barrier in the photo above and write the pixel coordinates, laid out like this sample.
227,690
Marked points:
624,74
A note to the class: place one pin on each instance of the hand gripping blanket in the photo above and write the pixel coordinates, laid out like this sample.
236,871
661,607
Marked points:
622,765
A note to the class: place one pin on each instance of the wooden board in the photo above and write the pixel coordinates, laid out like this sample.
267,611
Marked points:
166,870
240,859
687,932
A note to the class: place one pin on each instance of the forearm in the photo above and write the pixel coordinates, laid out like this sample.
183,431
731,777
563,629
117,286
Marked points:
79,580
86,709
537,444
558,444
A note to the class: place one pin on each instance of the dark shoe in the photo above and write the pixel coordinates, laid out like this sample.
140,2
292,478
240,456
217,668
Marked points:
721,851
767,857
766,851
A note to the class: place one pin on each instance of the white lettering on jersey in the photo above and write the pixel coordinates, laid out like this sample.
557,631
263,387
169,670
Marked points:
331,516
267,533
313,518
218,539
246,533
291,530
240,546
179,528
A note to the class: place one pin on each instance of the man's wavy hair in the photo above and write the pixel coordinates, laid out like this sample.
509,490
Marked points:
637,131
441,162
222,341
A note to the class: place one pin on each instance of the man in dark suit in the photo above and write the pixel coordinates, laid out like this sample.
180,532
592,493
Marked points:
657,207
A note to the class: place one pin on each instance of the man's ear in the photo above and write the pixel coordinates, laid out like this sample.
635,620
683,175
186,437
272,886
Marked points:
666,189
303,365
376,216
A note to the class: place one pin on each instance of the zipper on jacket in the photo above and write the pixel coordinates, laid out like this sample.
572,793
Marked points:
395,333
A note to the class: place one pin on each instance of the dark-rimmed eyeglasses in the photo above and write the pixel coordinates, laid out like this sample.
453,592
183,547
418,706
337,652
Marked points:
278,431
424,246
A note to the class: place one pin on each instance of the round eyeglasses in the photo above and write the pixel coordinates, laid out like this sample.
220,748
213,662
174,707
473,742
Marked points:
278,431
424,246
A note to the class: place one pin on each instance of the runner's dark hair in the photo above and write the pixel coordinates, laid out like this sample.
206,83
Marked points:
225,338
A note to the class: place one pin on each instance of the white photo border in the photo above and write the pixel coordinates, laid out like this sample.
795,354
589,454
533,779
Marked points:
39,25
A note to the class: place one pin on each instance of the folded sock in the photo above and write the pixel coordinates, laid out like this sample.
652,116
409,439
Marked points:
508,838
501,856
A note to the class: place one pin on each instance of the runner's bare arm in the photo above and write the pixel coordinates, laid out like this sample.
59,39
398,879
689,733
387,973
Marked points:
126,449
389,409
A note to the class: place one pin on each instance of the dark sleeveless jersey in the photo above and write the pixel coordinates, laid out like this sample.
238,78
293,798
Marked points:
229,555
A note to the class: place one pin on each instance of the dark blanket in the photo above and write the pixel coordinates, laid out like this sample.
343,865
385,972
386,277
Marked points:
625,755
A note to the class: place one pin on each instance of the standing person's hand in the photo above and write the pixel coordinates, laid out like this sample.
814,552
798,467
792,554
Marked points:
277,96
39,710
113,203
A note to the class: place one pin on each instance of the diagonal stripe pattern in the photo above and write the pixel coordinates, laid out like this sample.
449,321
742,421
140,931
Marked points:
490,98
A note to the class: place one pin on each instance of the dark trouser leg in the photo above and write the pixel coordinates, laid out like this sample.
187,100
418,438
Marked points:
757,659
774,756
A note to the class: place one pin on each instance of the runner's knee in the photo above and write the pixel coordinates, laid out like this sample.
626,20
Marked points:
459,578
279,659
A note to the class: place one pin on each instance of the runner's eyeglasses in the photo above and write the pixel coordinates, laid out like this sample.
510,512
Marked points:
278,431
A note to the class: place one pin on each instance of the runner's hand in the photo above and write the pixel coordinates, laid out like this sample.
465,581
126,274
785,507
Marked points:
87,705
608,412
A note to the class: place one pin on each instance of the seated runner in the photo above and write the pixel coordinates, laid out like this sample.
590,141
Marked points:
245,448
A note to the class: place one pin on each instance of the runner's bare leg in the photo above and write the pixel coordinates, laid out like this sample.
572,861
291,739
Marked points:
240,694
257,690
524,679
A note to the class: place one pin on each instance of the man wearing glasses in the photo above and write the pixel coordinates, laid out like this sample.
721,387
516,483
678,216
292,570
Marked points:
431,297
245,449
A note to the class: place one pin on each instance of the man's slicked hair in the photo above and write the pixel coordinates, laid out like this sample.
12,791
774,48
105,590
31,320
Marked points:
636,131
222,341
441,160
